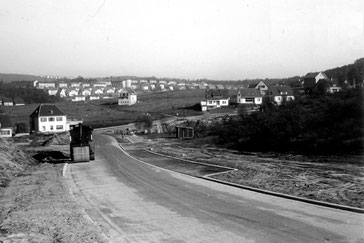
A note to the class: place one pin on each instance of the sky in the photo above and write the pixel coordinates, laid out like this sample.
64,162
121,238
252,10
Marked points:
191,39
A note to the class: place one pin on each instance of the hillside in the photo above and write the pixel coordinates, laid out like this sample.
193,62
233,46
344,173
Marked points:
348,72
9,77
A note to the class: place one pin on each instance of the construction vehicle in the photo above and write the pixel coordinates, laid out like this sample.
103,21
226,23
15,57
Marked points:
81,145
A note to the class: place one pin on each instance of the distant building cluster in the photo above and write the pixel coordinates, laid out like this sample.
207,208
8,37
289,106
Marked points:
252,95
6,101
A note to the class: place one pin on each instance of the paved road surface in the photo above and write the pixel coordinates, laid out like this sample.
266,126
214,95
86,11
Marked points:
134,202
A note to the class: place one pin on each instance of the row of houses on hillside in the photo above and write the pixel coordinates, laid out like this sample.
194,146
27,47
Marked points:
249,96
6,101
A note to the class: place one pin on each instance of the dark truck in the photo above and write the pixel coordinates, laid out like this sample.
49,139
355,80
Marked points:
81,147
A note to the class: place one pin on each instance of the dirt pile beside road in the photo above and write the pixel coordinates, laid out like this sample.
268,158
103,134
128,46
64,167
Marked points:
35,202
13,161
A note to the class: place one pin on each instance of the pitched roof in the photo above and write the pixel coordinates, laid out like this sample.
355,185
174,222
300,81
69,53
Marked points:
216,94
47,110
311,75
5,121
275,90
250,92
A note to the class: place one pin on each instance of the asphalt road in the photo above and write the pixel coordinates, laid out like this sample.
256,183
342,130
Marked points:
134,202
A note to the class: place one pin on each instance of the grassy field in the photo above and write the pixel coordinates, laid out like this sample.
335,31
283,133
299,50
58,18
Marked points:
104,113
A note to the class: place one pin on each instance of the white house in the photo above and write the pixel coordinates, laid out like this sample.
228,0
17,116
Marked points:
52,91
249,96
62,92
46,85
261,86
94,97
127,97
63,85
6,128
109,90
72,92
48,119
215,99
75,85
145,87
279,94
79,98
85,92
98,91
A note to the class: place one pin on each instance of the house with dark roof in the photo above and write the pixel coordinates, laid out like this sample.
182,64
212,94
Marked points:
249,96
7,101
19,101
6,128
127,97
261,86
311,79
279,94
48,118
215,98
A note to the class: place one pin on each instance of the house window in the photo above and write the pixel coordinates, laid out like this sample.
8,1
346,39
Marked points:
4,132
43,128
59,127
210,101
51,119
59,118
43,119
223,102
249,100
51,127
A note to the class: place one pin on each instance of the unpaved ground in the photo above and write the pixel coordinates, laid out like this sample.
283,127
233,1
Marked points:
335,179
36,205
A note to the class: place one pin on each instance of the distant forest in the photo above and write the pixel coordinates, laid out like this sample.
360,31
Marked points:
25,91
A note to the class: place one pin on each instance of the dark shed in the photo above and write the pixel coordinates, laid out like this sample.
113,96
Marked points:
185,132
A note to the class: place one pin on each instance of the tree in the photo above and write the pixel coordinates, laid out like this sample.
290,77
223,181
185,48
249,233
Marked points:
21,127
144,122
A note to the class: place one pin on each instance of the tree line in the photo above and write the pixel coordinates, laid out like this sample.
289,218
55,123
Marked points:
312,124
25,91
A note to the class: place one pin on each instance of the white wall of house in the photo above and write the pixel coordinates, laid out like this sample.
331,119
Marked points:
86,92
99,91
52,91
79,98
320,76
211,104
94,97
6,132
63,85
72,93
279,99
250,100
127,99
51,124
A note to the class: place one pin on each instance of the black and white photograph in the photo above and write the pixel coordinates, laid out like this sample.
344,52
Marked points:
181,121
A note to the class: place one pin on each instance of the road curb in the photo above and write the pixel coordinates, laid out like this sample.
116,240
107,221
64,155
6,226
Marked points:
277,194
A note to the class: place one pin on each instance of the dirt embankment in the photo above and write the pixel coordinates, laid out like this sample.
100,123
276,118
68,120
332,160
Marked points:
35,203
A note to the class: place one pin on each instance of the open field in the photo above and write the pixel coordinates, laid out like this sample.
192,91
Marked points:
102,113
